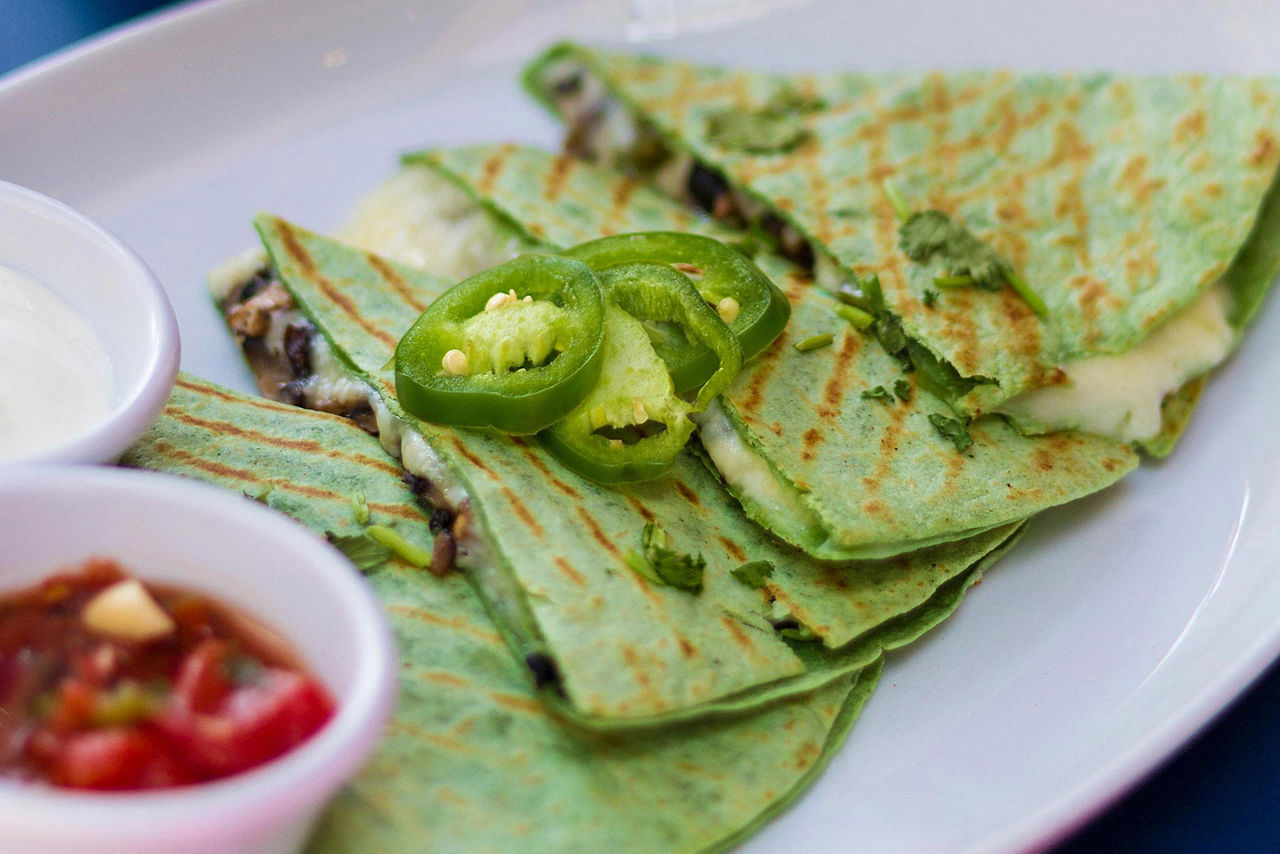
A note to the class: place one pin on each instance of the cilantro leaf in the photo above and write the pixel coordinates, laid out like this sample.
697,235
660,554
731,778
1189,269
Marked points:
932,232
902,388
775,128
878,393
930,298
953,429
361,549
754,573
662,565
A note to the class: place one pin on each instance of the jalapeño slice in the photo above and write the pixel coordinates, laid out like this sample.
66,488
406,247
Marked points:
633,424
746,298
514,347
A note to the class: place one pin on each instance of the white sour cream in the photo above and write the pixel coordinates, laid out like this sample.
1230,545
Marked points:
55,375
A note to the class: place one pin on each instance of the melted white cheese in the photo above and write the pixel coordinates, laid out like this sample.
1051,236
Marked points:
419,218
1120,396
57,375
750,476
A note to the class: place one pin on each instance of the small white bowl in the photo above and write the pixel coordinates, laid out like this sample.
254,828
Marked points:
169,529
102,279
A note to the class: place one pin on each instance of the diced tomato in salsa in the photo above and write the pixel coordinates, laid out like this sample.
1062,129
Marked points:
213,696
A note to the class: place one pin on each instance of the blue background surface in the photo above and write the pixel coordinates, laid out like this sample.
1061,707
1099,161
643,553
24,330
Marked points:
1221,794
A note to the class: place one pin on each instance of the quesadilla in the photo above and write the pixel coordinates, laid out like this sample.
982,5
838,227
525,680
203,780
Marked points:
801,439
1140,212
548,550
472,760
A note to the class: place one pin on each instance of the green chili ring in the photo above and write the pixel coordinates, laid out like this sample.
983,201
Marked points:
762,310
643,292
518,375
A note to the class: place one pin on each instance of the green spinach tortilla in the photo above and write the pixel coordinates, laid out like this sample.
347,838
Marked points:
1122,201
547,549
836,473
473,760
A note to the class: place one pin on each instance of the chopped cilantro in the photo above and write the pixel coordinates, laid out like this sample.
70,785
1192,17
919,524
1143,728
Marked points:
953,429
361,549
878,393
930,297
775,128
900,209
817,342
971,262
902,388
662,565
754,573
856,317
393,540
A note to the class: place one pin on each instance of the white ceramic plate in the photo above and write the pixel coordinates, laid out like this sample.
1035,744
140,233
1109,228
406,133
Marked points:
1114,631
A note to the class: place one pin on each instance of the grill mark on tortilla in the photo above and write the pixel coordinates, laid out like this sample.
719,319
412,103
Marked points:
222,470
597,534
741,638
526,518
455,623
561,166
809,441
623,189
309,446
1265,149
687,493
395,281
466,454
883,470
517,703
492,168
686,648
532,457
443,677
834,388
640,508
299,255
572,574
248,400
761,374
735,551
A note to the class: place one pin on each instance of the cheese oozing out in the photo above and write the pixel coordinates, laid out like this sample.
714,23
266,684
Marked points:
1120,396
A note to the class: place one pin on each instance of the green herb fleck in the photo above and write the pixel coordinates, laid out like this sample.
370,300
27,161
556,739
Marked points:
953,429
662,565
878,393
775,128
902,388
754,573
817,342
394,541
900,209
856,317
361,549
360,508
930,297
971,262
756,131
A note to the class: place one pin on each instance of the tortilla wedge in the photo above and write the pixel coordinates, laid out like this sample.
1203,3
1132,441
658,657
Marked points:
473,761
1124,202
547,549
835,474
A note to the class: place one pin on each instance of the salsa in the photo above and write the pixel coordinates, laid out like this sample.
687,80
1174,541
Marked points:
110,683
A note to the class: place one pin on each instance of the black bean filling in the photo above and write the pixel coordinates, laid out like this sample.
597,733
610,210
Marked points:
544,671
